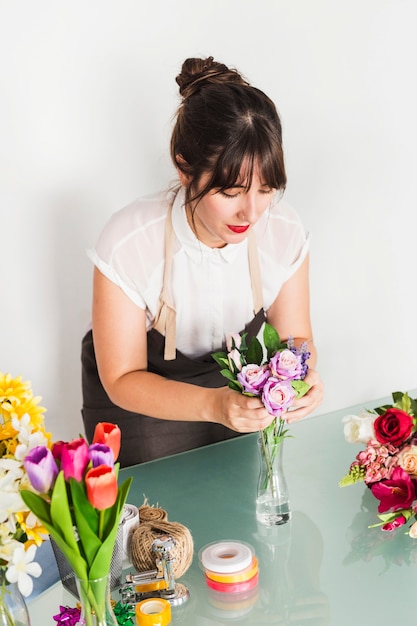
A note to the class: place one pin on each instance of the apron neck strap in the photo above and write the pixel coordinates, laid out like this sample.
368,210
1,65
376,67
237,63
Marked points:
165,319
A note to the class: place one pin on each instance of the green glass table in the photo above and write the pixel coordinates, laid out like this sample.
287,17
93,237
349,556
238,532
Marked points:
323,567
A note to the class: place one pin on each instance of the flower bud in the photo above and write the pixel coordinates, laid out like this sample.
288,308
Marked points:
41,468
101,484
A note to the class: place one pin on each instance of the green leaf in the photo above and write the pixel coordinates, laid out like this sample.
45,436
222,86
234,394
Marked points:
86,519
38,505
236,386
101,563
255,353
221,358
350,479
300,387
61,511
228,374
272,341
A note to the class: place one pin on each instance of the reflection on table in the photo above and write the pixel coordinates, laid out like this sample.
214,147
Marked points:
323,568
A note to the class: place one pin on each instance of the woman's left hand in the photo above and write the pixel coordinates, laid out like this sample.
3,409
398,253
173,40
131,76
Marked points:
310,401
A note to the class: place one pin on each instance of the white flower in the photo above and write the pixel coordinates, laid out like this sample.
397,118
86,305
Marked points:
21,568
11,502
359,428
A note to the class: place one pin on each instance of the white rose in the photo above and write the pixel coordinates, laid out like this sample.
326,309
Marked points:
413,531
359,428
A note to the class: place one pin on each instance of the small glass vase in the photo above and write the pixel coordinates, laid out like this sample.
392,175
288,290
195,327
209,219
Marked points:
272,500
13,609
96,608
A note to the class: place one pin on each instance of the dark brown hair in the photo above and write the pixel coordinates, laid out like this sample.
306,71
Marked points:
223,123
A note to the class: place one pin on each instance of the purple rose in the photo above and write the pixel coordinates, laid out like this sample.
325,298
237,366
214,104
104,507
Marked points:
100,454
235,360
286,365
41,468
253,378
277,396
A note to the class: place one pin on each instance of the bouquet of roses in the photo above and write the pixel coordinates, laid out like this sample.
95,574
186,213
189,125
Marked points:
77,498
21,429
388,464
274,372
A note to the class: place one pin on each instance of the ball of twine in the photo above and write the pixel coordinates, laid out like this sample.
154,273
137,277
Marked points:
152,514
143,557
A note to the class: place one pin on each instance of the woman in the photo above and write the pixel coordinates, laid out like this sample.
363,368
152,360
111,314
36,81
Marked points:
176,273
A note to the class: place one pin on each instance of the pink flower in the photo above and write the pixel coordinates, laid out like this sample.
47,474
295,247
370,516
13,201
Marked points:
396,523
235,360
286,365
277,396
74,459
253,378
233,340
394,493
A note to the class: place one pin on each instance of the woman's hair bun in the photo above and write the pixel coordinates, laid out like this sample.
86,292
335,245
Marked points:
195,73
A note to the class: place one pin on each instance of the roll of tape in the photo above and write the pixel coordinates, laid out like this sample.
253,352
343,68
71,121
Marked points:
226,557
238,577
130,521
153,612
156,585
241,587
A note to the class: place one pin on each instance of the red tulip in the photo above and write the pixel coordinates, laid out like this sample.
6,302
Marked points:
101,486
108,434
74,459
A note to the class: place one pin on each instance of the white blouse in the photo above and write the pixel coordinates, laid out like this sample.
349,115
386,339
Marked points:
211,288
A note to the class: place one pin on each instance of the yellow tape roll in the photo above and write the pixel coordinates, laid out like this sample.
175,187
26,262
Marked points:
153,612
154,585
238,577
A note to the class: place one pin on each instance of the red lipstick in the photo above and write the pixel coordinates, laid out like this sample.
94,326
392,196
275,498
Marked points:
238,229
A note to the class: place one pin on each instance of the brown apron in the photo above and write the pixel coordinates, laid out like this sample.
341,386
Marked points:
146,438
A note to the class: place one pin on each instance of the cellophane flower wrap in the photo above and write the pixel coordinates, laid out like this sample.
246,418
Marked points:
273,370
75,494
22,428
388,463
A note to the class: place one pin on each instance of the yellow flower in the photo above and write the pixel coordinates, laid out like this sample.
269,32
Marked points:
36,533
16,399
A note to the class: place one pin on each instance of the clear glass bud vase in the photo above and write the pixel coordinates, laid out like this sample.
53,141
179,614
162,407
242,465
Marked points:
13,609
96,608
272,500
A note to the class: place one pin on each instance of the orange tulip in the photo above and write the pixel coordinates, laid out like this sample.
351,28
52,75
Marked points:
110,435
101,486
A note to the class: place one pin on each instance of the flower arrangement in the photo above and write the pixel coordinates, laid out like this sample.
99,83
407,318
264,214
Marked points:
21,429
274,372
77,498
388,464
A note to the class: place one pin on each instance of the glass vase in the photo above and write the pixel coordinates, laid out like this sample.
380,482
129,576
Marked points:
272,500
96,608
13,609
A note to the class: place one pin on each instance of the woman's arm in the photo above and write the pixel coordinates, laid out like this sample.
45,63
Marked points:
290,315
119,332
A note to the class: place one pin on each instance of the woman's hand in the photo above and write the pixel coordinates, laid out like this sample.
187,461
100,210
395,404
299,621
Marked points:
310,401
244,414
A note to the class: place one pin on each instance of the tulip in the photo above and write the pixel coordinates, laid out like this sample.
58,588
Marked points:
100,454
41,468
57,450
74,459
101,484
108,434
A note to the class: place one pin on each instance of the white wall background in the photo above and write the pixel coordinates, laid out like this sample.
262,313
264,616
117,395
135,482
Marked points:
87,95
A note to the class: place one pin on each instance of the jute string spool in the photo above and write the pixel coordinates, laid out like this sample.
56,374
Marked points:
152,514
143,558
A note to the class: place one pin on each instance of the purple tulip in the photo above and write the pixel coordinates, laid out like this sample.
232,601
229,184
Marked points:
100,454
74,459
41,468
